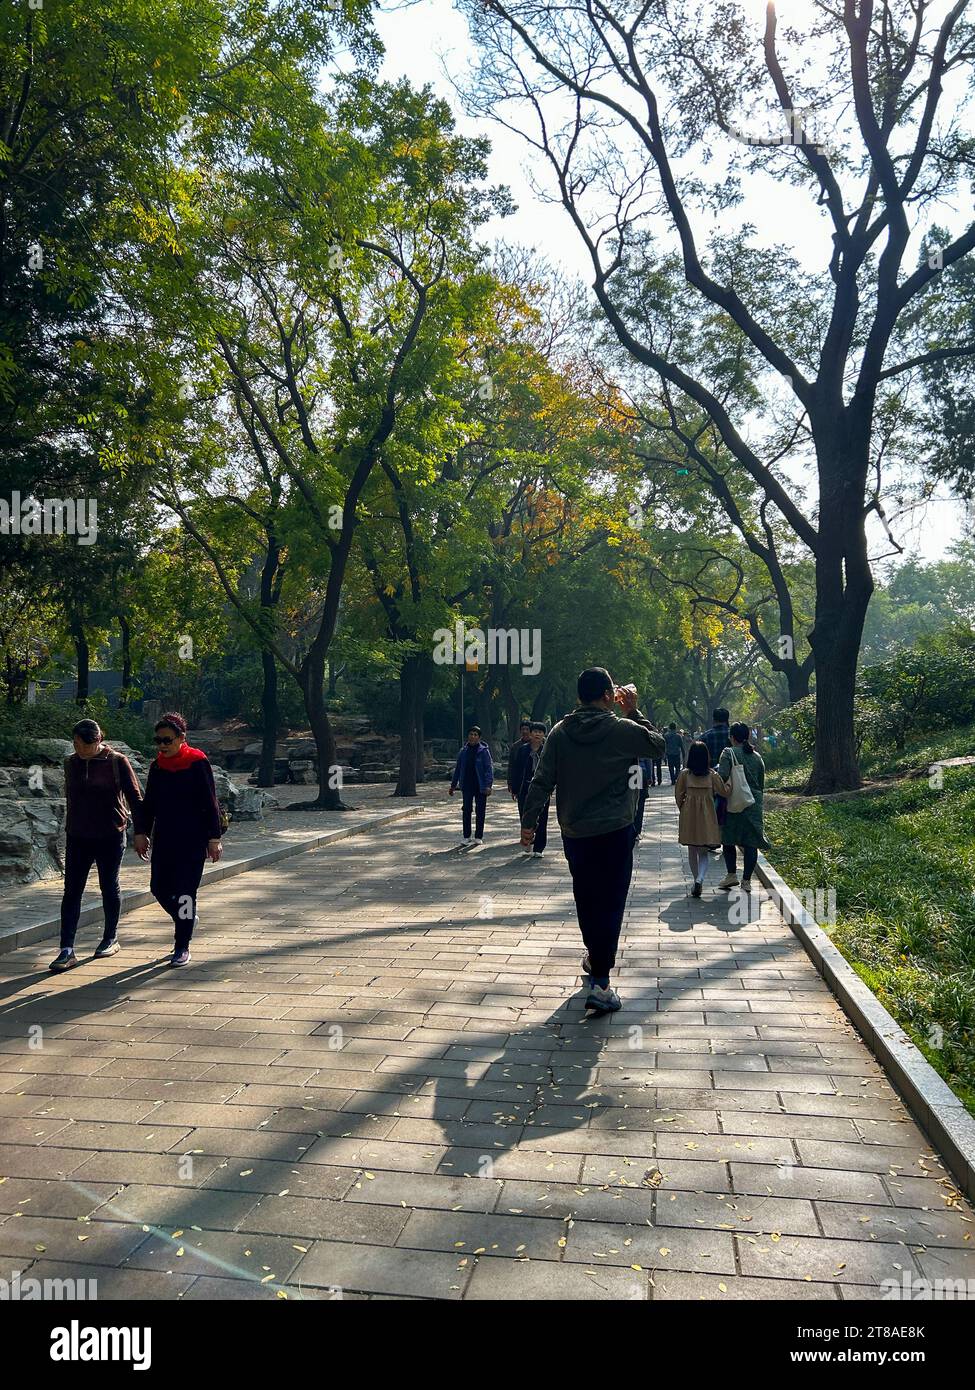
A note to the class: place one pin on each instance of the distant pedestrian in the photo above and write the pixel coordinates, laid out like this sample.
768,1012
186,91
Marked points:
514,754
180,820
589,761
100,791
718,736
746,827
674,749
474,774
526,768
694,791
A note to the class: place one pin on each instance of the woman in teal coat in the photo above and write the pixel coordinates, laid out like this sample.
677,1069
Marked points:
745,828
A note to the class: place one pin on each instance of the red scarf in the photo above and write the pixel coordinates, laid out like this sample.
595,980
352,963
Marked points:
180,761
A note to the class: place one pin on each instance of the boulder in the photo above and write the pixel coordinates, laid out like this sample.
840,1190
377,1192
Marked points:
139,761
210,740
30,840
250,803
302,748
226,790
53,750
28,783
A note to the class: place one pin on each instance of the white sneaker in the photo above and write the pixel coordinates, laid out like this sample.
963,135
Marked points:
536,854
465,844
729,881
476,841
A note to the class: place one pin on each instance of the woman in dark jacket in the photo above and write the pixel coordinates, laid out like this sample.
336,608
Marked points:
98,782
180,817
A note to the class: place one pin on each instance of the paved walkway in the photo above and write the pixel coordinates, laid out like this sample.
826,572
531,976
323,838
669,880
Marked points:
375,1079
27,906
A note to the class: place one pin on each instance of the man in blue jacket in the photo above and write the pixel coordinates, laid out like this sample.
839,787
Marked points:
474,774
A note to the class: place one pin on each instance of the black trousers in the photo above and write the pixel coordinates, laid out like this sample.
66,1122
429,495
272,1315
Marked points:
750,855
641,807
673,767
601,867
472,800
656,772
79,856
174,882
541,830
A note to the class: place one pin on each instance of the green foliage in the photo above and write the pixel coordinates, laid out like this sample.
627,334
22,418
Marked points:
930,686
21,724
921,689
902,864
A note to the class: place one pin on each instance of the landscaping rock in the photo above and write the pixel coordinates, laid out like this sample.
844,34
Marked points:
30,840
250,803
26,783
53,750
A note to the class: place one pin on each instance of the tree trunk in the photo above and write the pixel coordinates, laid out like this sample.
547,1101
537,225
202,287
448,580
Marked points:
313,689
269,713
424,679
798,679
511,709
82,658
406,782
843,588
126,632
540,702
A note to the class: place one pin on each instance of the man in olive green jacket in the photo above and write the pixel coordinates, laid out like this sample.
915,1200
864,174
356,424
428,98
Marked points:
591,760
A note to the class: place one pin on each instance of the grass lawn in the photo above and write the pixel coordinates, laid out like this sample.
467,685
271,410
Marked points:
918,752
902,863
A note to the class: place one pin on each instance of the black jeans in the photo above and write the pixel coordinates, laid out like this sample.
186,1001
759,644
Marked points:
472,800
174,882
641,807
601,867
541,830
79,856
656,772
673,767
749,854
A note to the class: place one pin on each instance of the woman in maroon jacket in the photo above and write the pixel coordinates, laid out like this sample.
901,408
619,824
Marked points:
97,784
180,817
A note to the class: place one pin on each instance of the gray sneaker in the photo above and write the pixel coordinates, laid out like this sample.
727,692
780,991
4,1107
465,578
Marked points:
107,948
602,1001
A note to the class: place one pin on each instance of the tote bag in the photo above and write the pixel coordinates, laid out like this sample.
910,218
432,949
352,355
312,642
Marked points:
741,793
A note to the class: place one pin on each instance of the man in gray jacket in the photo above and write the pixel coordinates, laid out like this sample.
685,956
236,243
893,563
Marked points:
591,760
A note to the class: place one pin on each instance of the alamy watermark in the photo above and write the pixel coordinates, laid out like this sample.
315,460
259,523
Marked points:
50,516
495,646
29,1290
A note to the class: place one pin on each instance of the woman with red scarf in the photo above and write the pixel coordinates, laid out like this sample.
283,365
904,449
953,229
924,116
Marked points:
181,817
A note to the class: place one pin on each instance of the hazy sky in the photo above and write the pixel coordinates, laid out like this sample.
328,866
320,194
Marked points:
429,43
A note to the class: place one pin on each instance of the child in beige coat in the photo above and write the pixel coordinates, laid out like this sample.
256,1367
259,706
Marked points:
695,790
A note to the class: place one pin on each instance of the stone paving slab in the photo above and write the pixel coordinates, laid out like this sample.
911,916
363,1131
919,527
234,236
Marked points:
375,1081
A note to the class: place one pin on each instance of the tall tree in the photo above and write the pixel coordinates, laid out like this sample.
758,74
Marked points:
631,103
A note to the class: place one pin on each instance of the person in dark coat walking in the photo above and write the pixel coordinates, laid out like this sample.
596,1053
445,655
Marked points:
474,774
180,820
589,761
100,790
515,753
526,768
674,748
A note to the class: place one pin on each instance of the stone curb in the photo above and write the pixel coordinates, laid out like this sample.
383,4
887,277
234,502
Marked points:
226,868
928,1096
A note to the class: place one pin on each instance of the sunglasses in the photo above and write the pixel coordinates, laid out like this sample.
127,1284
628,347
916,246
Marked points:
159,739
